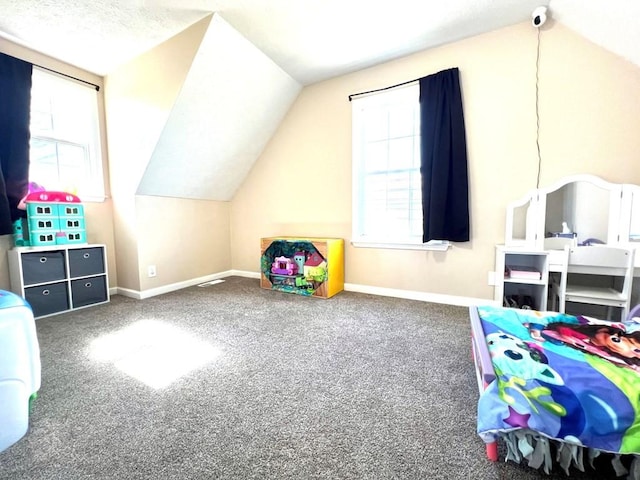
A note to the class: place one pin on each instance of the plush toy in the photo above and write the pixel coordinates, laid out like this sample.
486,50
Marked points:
31,188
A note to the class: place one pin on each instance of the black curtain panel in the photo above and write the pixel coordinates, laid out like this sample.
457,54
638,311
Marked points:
15,104
443,150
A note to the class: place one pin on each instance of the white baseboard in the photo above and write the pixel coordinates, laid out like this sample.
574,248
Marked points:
244,273
414,295
141,295
349,287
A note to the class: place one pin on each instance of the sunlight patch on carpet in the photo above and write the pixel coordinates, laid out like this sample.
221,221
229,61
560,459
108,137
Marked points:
153,352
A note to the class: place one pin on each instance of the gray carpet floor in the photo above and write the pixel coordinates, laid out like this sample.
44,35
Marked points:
232,381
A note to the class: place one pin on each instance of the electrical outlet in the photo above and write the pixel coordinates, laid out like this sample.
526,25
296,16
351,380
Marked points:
151,271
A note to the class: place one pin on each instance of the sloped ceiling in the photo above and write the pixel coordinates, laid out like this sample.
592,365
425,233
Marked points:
614,25
224,115
231,102
310,40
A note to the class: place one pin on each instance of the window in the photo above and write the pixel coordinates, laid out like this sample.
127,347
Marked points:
65,153
387,198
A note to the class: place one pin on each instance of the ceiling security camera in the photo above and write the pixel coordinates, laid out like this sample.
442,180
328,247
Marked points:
539,16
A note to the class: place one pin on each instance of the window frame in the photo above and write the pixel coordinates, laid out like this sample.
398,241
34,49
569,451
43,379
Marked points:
92,188
404,94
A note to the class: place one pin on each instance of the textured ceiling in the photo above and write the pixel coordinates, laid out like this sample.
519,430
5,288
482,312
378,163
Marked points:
310,40
291,42
614,24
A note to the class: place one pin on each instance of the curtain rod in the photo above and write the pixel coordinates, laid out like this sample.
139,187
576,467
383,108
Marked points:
97,87
382,89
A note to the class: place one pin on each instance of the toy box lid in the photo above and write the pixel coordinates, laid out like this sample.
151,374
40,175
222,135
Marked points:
9,300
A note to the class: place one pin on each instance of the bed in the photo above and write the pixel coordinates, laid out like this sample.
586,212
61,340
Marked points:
558,390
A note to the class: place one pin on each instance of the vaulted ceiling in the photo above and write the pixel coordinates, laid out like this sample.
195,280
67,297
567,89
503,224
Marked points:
230,104
309,40
292,43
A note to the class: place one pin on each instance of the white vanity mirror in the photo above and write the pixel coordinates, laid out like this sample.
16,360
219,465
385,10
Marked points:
519,214
578,209
634,216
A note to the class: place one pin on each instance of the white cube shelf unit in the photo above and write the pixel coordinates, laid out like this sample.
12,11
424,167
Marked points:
534,288
59,278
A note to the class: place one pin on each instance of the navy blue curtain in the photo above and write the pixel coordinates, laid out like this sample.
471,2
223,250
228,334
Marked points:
15,105
443,150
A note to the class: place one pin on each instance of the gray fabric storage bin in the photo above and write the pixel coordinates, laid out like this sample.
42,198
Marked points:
41,267
87,291
47,299
85,261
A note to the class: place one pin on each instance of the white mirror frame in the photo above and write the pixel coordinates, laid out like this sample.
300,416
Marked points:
620,206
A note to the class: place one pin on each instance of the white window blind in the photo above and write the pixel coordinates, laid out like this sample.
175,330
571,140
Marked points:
65,152
387,197
386,161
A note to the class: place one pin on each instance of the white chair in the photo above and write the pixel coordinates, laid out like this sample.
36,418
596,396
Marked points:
597,275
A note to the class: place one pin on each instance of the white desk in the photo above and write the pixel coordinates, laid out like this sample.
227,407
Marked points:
555,259
545,261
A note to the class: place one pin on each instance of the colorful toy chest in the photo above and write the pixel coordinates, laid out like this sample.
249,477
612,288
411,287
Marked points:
20,367
53,218
307,266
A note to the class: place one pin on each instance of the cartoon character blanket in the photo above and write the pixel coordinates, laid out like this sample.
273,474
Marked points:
575,380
